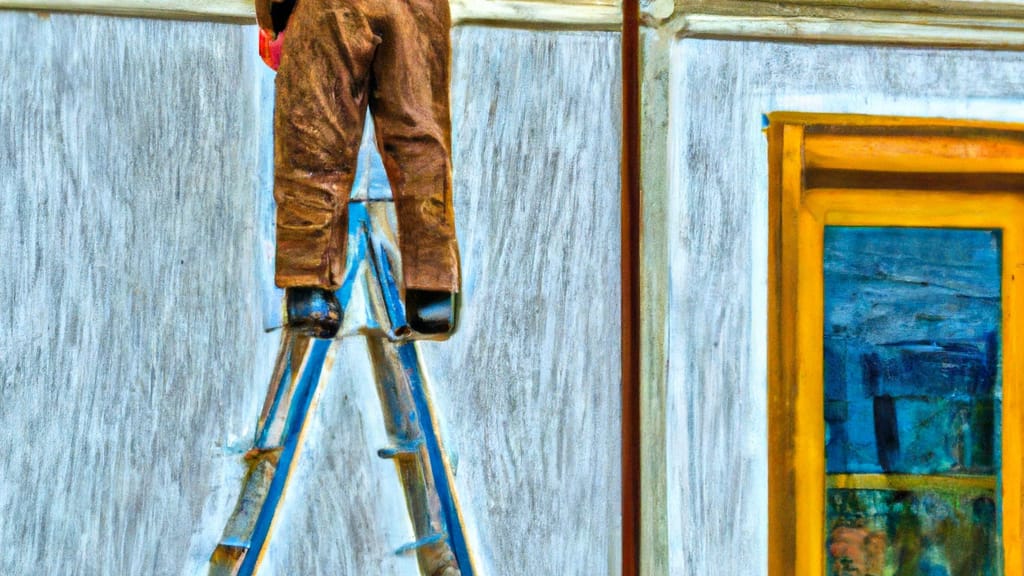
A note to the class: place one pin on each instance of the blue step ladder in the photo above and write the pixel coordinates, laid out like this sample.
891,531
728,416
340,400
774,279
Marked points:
415,446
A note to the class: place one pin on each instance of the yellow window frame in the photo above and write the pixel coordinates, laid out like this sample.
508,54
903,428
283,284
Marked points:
954,174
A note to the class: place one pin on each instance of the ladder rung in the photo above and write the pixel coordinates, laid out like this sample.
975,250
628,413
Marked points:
401,449
425,541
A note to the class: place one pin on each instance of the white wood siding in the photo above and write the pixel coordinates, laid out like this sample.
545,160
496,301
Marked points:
132,358
715,200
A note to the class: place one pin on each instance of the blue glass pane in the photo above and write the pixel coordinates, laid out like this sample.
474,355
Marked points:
923,533
912,324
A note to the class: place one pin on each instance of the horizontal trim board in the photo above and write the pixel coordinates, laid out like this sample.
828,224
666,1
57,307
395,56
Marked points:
915,153
241,11
819,123
549,14
949,23
826,30
596,14
996,8
936,23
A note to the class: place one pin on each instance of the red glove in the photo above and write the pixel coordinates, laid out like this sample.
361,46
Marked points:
270,47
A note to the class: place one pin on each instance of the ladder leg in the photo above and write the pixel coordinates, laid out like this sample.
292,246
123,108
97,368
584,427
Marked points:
269,464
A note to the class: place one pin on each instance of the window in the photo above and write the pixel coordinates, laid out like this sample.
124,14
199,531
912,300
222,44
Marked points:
895,389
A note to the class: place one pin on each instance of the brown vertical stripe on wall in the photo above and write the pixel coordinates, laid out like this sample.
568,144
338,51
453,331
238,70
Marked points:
630,287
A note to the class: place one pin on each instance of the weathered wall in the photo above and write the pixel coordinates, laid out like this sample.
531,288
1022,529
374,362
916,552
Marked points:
132,360
717,233
531,381
129,342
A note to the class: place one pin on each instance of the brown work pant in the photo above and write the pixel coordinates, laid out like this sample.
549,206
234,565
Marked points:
340,57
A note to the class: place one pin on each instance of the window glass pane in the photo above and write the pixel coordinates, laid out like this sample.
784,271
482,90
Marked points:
919,533
912,319
912,400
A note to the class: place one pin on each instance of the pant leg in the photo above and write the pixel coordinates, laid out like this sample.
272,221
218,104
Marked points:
322,93
410,106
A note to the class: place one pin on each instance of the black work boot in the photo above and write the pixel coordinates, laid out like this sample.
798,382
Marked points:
431,313
313,311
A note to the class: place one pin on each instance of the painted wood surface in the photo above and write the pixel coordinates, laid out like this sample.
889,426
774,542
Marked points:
590,14
913,153
801,375
903,22
654,178
716,198
530,384
995,7
918,22
129,340
132,358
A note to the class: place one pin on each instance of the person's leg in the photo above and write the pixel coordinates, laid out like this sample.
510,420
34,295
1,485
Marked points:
410,106
322,87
